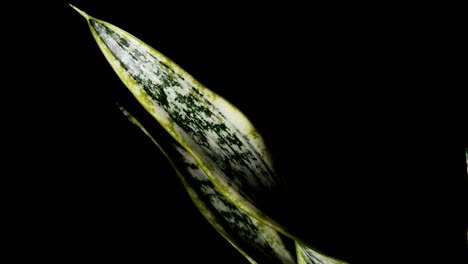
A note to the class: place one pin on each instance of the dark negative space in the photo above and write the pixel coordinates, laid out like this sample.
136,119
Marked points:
363,114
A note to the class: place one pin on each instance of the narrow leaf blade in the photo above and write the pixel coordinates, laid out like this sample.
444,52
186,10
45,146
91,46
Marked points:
258,242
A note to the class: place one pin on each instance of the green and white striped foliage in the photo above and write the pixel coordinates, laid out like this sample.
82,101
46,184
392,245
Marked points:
220,138
258,242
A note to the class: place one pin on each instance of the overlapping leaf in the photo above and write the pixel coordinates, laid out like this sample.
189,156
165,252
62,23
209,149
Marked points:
258,242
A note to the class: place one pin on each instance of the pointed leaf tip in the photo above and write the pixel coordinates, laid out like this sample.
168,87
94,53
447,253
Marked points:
86,16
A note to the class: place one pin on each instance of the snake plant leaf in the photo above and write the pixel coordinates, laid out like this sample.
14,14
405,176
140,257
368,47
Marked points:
306,255
223,142
258,242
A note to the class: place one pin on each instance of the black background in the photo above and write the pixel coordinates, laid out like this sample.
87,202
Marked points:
361,107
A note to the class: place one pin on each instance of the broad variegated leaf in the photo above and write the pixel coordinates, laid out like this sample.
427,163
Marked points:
306,255
222,141
258,242
208,130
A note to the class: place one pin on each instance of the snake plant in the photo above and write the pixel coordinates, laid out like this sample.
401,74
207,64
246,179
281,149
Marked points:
215,150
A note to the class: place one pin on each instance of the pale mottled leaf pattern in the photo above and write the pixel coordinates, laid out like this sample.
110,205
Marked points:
220,138
256,241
